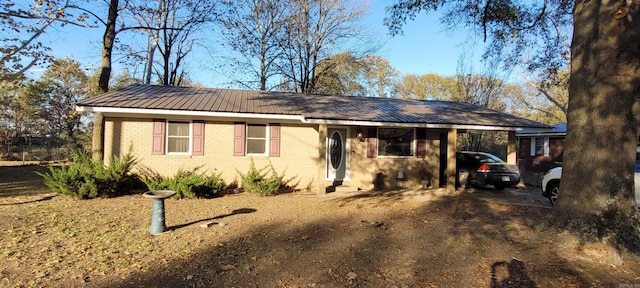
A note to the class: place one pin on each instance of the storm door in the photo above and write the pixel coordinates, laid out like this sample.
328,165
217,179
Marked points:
336,154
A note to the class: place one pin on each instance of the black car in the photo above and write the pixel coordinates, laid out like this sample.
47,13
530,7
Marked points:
483,169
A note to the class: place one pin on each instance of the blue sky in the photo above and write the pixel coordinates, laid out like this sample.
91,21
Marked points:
424,48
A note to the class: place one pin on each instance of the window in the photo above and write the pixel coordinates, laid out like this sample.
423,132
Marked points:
395,142
178,136
540,146
256,139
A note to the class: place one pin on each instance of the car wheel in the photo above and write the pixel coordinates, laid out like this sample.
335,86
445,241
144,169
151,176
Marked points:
554,189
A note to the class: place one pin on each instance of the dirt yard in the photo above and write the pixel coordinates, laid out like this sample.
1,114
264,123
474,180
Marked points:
475,238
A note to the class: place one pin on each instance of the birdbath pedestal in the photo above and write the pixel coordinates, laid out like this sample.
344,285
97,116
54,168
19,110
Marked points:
158,225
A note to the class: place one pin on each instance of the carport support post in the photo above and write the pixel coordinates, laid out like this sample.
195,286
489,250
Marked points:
511,148
452,140
322,159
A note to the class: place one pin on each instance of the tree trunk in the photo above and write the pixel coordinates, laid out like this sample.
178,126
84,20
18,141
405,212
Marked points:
597,189
148,70
97,140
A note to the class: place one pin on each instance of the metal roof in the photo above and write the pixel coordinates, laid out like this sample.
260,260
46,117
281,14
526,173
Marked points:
559,129
312,108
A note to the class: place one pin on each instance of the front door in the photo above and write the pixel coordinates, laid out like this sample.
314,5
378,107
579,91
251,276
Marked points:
336,154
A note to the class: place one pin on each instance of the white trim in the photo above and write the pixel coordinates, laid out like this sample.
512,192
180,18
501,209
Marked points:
300,118
411,125
166,137
189,113
343,151
267,138
347,153
532,147
414,144
542,134
545,146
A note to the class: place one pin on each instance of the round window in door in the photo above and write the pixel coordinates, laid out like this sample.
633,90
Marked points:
335,150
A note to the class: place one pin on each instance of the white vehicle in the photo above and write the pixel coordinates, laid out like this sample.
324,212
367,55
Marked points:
551,184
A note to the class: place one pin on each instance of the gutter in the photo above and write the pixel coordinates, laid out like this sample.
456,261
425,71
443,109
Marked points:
294,118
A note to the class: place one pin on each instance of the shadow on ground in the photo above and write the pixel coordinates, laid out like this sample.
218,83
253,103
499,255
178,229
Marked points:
22,180
43,198
451,241
234,212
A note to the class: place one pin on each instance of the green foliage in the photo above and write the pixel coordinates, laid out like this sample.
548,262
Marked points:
85,178
23,24
189,184
347,74
256,180
429,86
50,101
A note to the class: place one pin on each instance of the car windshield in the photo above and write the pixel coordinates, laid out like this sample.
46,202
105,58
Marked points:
488,158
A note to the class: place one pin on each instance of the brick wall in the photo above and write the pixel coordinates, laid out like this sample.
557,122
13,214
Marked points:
418,172
298,155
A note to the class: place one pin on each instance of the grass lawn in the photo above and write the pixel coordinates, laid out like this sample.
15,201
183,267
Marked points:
22,180
291,240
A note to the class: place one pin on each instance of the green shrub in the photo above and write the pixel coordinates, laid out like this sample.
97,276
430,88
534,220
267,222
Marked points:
85,178
190,184
256,180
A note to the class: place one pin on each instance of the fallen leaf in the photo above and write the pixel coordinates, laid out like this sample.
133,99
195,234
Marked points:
228,267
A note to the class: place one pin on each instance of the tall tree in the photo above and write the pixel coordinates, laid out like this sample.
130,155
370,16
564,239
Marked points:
482,89
342,72
485,90
14,119
597,195
543,100
108,40
427,87
23,24
112,27
52,99
378,76
345,74
252,29
314,29
525,101
555,89
170,26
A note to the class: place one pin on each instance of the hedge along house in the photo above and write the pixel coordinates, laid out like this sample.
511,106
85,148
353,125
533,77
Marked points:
318,141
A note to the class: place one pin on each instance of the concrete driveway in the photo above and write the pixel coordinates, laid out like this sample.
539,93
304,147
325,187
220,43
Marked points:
525,196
